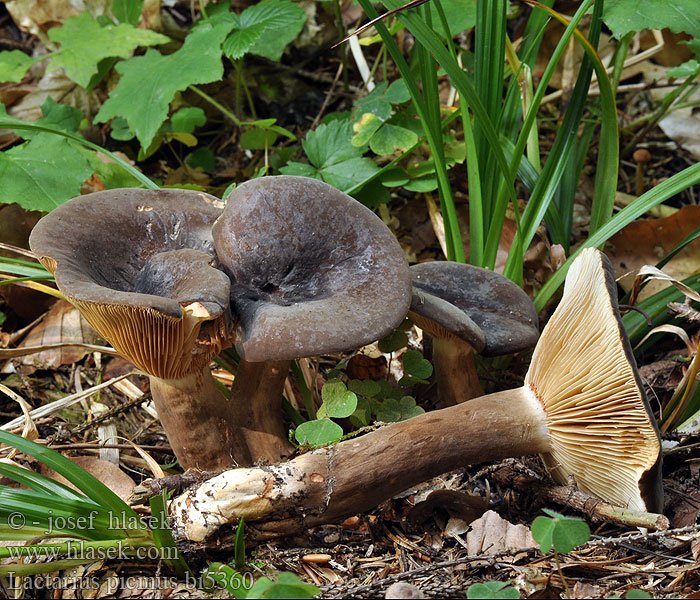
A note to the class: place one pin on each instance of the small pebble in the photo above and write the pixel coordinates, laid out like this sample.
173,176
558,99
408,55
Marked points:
400,589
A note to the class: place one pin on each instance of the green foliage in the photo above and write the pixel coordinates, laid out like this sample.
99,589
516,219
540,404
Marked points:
338,403
562,533
492,589
85,43
264,29
14,64
45,171
392,410
83,524
623,16
332,156
287,585
417,368
155,79
632,594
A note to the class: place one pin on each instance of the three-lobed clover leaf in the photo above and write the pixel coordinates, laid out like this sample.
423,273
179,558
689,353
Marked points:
562,533
493,589
392,410
338,402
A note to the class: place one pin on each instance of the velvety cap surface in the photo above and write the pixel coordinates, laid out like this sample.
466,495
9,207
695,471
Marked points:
139,264
502,310
313,271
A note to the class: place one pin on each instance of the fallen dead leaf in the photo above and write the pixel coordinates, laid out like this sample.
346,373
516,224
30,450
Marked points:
492,534
645,242
109,474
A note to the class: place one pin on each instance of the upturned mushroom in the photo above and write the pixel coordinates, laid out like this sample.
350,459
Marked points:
141,268
467,309
582,408
312,272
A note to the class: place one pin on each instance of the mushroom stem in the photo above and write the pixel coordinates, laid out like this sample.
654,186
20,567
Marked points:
256,397
455,372
199,422
331,483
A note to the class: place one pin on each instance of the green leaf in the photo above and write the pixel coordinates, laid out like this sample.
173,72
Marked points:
127,11
43,173
362,415
239,547
257,139
163,536
392,410
203,158
60,116
329,144
187,119
226,577
391,139
492,589
414,364
154,80
364,387
84,43
365,128
637,594
460,15
120,130
422,185
320,432
13,65
265,29
397,92
684,70
301,169
623,16
288,585
338,401
564,533
396,340
346,175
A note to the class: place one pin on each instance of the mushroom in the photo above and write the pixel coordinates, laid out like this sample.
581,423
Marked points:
312,272
468,309
141,268
582,408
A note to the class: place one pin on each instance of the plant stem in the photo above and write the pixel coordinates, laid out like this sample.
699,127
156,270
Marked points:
220,107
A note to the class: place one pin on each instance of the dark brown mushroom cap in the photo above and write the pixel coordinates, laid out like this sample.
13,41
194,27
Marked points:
502,310
312,270
440,318
139,265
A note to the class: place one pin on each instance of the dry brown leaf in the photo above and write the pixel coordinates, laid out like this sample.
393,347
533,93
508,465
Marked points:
109,474
63,323
492,534
645,242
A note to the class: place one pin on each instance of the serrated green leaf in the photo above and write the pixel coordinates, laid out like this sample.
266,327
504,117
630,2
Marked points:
337,400
390,139
43,173
84,43
320,432
347,174
240,41
301,169
284,21
13,65
155,79
394,341
187,119
623,16
414,364
329,144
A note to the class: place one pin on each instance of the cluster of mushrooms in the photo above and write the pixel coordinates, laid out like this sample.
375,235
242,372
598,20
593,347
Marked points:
291,267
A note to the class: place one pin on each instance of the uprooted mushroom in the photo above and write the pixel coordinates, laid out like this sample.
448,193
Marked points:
467,309
312,271
142,267
582,408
